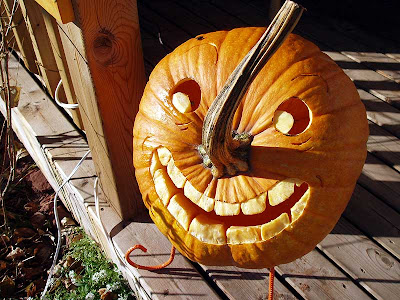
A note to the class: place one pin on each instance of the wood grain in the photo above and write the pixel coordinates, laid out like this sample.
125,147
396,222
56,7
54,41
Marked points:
61,61
180,280
61,10
384,145
315,277
22,37
51,140
371,266
112,47
376,219
71,37
45,60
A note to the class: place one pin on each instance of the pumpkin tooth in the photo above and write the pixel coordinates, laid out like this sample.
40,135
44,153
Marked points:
208,231
283,121
272,228
298,208
190,192
254,206
182,210
165,188
282,191
226,209
243,234
182,102
206,203
175,174
155,163
164,155
198,198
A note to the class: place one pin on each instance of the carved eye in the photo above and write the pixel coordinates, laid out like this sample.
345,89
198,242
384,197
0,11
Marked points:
292,117
186,96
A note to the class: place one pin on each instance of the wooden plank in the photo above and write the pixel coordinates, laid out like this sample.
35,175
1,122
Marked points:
33,17
312,276
36,122
381,113
61,10
384,145
375,218
59,55
382,181
111,47
239,283
371,266
366,53
368,80
22,37
315,277
377,46
71,38
178,281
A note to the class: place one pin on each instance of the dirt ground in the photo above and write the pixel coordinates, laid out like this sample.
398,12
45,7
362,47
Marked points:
28,233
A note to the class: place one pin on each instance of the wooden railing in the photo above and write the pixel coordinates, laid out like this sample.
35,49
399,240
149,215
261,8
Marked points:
98,58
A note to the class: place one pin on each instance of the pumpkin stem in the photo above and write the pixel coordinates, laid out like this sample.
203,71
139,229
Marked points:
223,150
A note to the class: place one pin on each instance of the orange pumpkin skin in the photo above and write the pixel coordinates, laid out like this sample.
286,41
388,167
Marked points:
328,155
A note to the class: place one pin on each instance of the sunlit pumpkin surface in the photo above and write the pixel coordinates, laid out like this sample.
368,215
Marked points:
309,146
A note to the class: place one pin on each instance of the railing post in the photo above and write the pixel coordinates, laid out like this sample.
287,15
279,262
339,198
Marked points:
109,70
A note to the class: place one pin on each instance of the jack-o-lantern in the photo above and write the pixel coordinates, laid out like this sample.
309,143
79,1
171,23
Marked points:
287,166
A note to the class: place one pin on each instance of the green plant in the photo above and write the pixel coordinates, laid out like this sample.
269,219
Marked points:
85,273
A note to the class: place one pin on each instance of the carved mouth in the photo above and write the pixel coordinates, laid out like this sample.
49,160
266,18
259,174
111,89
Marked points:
217,222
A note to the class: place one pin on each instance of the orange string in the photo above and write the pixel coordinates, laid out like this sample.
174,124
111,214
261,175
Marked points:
271,283
149,268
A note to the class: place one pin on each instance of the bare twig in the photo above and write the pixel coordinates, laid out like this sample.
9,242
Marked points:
5,24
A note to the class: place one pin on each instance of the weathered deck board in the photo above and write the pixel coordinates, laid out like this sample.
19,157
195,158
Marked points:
368,80
384,145
55,146
246,284
178,281
376,219
314,277
354,49
45,60
367,263
373,44
382,181
22,37
381,112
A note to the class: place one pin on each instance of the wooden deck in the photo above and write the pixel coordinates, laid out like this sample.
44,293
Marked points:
358,260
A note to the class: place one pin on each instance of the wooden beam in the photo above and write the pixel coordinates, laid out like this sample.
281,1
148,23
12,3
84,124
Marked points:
22,37
33,16
105,57
61,10
59,56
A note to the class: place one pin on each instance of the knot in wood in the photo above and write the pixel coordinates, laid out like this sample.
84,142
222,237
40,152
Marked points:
103,47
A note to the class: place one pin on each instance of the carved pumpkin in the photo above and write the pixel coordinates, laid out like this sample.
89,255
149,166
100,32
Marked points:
308,134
